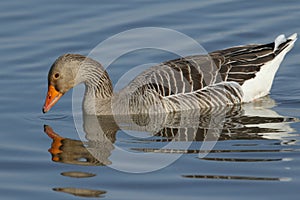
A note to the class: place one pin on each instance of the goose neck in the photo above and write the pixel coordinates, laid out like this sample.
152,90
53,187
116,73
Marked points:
97,81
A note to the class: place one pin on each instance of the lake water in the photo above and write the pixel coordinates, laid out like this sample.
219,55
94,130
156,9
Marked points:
255,154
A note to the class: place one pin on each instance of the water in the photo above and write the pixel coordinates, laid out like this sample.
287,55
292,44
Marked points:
256,156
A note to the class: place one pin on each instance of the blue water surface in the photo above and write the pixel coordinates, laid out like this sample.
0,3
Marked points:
249,163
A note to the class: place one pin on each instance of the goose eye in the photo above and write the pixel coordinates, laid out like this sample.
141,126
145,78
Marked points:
56,75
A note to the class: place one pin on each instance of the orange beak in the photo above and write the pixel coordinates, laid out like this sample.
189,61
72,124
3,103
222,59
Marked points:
52,97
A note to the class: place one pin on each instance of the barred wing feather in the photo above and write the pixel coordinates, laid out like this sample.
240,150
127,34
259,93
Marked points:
208,80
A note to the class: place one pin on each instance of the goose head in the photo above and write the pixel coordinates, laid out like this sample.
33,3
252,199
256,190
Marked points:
69,70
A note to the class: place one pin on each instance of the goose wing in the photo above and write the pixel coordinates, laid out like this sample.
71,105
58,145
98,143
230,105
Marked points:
191,78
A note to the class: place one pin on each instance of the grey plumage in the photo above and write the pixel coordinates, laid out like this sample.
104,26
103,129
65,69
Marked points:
197,82
194,82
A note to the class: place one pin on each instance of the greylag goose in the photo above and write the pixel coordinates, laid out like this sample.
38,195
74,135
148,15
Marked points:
225,77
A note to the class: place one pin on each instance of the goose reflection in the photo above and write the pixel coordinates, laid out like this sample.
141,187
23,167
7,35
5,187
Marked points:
245,178
72,151
79,192
255,121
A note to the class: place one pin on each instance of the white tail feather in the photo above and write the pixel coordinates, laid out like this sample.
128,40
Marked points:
261,85
293,37
279,40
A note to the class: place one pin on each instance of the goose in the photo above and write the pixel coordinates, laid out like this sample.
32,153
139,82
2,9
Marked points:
231,76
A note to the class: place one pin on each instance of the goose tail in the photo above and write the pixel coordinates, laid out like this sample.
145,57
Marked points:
282,43
261,84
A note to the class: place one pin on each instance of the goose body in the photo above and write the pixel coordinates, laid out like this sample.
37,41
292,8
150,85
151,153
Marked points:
225,77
